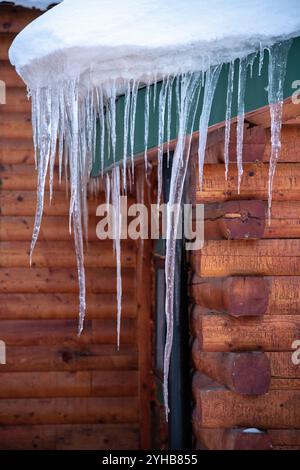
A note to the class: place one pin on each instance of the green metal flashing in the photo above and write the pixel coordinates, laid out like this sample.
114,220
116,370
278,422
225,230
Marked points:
256,97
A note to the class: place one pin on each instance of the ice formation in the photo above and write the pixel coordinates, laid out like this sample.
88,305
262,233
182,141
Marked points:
77,58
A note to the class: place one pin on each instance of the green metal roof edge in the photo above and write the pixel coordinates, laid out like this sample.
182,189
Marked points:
256,97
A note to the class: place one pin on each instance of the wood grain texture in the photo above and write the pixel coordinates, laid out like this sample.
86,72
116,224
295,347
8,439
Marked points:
220,332
56,305
97,254
68,384
91,410
70,357
218,407
253,257
254,183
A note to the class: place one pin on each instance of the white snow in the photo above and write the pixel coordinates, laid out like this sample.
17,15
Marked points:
39,4
135,38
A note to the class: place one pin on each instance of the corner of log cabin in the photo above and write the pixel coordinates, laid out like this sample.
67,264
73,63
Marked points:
245,297
58,391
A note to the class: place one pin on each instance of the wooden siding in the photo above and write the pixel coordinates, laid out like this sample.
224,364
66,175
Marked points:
244,293
58,391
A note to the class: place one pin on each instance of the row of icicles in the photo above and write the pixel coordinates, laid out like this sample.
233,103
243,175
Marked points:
72,126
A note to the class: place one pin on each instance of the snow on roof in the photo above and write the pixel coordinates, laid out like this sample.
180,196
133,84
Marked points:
40,4
137,38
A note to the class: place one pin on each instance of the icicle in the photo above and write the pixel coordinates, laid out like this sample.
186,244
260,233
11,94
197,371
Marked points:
117,221
240,118
61,133
127,100
161,134
107,190
212,76
100,103
277,68
135,89
53,137
112,118
43,143
228,116
189,86
146,118
169,116
261,58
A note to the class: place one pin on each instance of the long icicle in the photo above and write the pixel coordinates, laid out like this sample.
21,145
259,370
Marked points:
240,119
189,85
211,80
277,68
117,221
228,116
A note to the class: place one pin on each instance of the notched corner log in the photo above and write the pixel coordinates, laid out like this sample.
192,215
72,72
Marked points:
234,220
238,296
247,373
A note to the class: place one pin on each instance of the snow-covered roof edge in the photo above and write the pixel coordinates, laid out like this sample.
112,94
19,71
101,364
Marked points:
39,4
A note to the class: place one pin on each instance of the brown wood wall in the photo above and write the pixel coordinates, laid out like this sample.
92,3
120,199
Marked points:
245,298
58,391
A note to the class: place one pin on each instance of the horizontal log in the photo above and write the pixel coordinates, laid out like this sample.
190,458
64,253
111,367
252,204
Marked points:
68,384
70,358
16,151
220,332
20,228
69,437
290,144
285,384
15,125
64,332
61,254
254,185
19,203
23,203
246,373
9,75
284,373
234,220
254,144
63,306
218,407
48,280
282,365
92,410
236,296
17,102
253,257
231,439
285,438
13,19
284,222
24,178
5,42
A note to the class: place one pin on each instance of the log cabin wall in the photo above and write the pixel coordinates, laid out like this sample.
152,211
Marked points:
58,391
245,297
